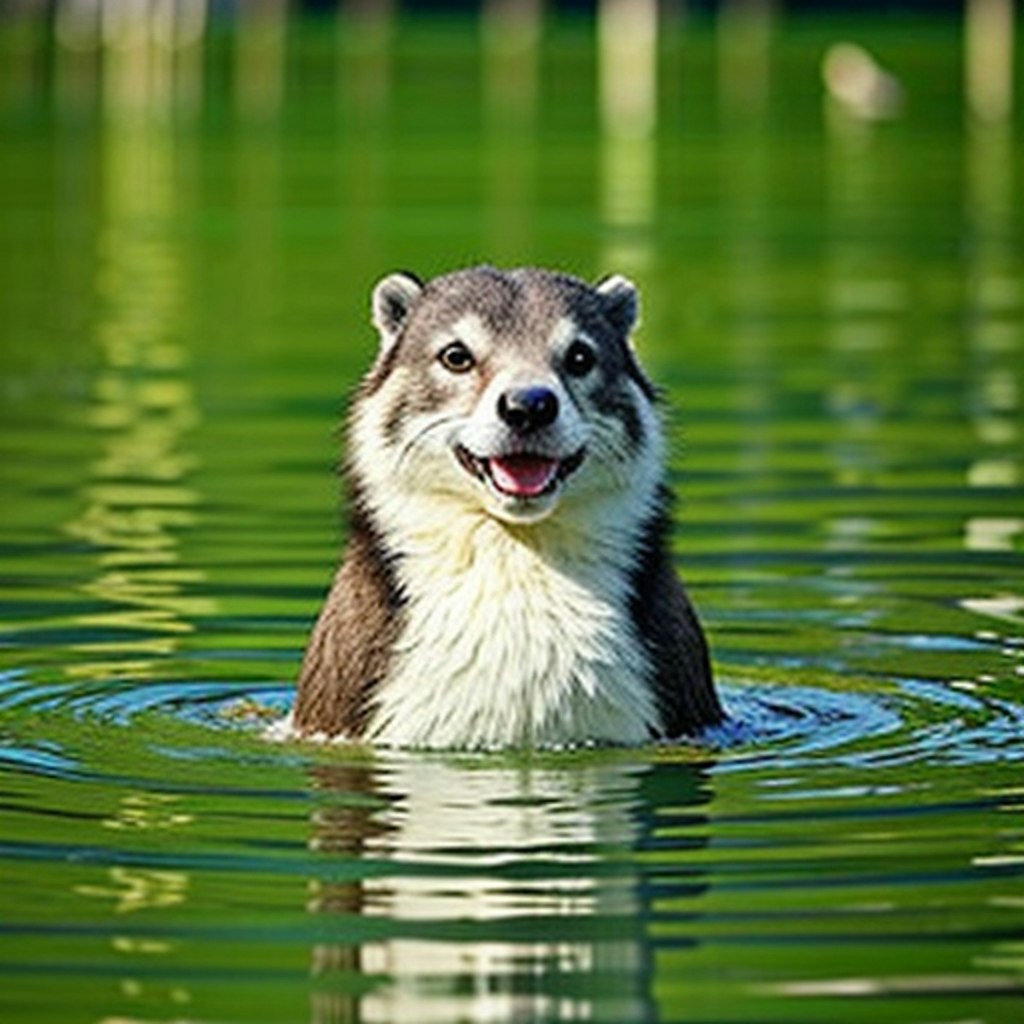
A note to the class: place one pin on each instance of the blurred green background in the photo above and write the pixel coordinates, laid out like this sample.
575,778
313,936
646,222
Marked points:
821,206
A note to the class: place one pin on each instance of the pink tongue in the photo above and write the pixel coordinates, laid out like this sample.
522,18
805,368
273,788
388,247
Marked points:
524,476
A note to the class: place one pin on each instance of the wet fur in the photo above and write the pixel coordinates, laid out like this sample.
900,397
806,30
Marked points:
446,627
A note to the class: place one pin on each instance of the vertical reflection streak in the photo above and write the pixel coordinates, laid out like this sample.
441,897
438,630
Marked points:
627,66
511,44
996,300
745,174
863,300
260,57
988,57
744,40
364,88
137,501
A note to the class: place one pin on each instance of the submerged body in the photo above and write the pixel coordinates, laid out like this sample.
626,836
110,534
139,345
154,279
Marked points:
508,580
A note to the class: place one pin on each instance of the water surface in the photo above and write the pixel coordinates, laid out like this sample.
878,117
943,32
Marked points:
835,310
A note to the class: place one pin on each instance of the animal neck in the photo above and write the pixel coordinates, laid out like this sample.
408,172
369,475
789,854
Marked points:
514,635
505,559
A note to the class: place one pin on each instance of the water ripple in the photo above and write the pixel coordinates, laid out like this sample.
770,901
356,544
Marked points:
771,725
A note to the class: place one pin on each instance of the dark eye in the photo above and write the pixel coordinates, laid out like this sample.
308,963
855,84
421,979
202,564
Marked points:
456,358
579,359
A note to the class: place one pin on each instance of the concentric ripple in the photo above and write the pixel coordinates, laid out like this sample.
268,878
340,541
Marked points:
770,725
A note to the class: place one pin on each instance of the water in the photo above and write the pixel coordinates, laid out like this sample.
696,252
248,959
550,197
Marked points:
835,310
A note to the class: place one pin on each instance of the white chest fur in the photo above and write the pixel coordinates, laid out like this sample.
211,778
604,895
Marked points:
510,642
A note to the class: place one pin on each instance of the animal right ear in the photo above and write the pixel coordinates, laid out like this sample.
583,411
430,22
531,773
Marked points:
620,300
392,297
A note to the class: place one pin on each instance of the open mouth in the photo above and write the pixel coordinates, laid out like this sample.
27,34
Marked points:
521,475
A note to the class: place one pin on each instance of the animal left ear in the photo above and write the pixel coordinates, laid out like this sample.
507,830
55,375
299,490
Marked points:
620,300
392,298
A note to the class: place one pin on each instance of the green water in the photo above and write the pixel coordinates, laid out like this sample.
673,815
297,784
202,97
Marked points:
836,311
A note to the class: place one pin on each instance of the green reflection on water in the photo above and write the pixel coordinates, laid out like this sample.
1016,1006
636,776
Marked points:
187,240
137,501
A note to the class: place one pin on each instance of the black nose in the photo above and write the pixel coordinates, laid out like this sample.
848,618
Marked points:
526,409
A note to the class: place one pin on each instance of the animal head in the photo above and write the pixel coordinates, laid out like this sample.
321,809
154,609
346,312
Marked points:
517,394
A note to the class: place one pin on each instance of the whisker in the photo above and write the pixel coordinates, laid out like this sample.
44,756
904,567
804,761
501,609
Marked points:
413,441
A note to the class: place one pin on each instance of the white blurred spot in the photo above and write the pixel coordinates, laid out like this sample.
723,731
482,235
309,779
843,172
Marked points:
859,85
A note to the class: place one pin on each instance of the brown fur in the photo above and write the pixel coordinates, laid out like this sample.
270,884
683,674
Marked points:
350,646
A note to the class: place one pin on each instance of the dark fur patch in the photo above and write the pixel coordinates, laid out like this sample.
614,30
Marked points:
672,635
614,401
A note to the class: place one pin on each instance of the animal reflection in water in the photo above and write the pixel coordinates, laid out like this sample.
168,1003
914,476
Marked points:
461,891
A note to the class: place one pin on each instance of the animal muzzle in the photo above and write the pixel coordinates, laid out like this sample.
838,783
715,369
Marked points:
527,409
526,450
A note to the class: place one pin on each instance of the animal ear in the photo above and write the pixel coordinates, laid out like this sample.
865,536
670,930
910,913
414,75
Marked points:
392,297
620,301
